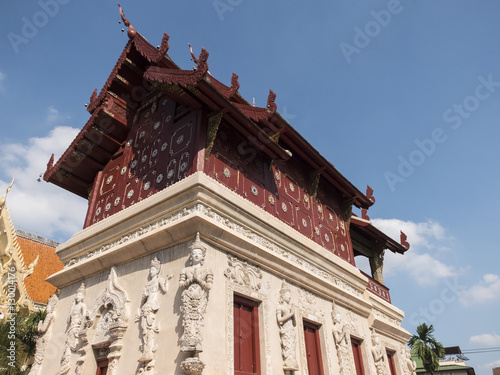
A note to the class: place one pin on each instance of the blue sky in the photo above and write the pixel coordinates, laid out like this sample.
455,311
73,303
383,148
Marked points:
401,95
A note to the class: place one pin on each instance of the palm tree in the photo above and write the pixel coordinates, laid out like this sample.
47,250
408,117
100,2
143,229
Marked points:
427,347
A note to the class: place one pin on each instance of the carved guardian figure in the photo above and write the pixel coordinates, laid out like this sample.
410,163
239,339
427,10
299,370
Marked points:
285,315
150,305
43,335
197,280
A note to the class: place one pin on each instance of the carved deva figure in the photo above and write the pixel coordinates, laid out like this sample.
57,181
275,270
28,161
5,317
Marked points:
78,320
197,279
285,315
378,355
409,366
342,344
150,305
43,333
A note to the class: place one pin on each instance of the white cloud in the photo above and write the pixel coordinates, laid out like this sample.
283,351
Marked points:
2,79
491,365
428,243
54,117
486,339
38,207
487,290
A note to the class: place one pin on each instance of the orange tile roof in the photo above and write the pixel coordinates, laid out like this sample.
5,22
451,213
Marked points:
37,288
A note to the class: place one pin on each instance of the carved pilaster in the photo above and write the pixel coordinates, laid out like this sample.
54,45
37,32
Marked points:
285,315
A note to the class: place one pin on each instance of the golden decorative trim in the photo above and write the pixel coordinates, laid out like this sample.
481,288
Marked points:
213,127
315,176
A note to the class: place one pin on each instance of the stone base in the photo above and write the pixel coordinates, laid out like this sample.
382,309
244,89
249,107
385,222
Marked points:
192,366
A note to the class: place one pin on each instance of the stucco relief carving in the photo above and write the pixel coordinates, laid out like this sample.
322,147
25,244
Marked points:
110,317
43,335
285,315
378,355
409,366
308,304
197,280
341,334
242,273
150,304
78,322
382,315
227,223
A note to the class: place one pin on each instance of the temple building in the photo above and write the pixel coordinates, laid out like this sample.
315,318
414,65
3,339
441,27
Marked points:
217,239
26,261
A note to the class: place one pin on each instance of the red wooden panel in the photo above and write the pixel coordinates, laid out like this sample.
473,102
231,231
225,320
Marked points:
285,210
246,337
342,248
147,185
291,189
102,367
326,237
392,364
171,172
331,219
181,137
254,192
225,173
132,192
184,164
304,223
110,179
319,212
313,349
358,358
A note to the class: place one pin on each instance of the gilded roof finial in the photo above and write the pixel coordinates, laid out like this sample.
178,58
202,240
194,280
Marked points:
131,30
4,197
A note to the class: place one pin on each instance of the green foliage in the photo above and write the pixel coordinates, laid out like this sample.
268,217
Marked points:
427,347
19,335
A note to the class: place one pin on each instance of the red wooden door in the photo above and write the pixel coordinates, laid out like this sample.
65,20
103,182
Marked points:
102,367
313,349
246,337
392,365
358,359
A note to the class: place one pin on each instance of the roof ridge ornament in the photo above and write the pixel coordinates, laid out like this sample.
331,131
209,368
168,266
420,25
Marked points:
131,29
369,193
404,242
271,105
235,85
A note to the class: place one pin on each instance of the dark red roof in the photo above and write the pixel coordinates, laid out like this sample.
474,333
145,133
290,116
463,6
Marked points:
141,64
